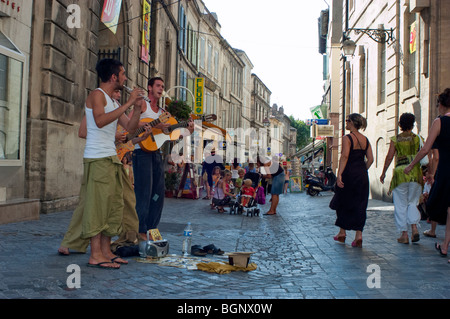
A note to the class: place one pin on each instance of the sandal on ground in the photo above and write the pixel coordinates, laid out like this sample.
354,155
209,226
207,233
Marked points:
427,234
196,250
415,237
211,249
117,261
438,248
221,210
340,238
206,197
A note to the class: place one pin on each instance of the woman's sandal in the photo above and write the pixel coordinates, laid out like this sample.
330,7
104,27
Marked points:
340,239
211,249
438,248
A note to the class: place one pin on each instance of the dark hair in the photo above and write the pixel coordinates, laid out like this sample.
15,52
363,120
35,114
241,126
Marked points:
444,98
106,68
359,121
407,121
153,80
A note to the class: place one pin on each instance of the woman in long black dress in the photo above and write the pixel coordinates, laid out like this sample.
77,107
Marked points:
352,191
438,202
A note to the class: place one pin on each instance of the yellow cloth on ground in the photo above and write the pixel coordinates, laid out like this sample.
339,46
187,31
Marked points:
224,268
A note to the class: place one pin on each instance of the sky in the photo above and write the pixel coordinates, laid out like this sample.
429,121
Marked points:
281,40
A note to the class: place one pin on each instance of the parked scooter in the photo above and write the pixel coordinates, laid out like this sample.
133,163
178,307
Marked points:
315,185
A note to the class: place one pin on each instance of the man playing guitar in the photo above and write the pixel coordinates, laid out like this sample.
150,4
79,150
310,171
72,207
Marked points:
148,167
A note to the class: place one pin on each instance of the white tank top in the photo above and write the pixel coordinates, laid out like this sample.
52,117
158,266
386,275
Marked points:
148,114
100,141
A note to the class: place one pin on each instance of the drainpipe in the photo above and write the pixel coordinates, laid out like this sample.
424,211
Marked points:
344,73
397,62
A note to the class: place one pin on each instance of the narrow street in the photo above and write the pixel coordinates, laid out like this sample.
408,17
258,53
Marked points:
294,251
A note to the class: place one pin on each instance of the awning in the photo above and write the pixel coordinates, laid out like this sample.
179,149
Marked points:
207,125
318,144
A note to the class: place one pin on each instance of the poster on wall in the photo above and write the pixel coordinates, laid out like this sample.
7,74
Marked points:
145,43
295,184
111,13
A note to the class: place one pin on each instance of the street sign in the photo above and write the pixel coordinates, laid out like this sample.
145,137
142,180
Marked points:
316,121
316,112
324,130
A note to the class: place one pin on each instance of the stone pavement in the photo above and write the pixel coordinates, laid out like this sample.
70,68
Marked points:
295,253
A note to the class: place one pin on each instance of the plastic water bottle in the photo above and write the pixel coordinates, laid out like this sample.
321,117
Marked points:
187,240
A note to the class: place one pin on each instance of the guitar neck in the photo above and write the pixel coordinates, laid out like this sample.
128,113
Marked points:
142,129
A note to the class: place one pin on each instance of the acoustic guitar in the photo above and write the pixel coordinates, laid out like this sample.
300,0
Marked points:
127,145
171,133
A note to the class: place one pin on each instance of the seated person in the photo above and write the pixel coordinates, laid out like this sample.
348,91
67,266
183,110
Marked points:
239,181
247,192
222,194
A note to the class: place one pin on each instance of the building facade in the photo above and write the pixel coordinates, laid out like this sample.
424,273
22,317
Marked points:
384,79
48,54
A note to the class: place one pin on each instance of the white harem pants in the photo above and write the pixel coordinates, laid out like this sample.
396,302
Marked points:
406,197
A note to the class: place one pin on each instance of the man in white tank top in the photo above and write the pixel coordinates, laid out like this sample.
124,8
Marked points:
102,183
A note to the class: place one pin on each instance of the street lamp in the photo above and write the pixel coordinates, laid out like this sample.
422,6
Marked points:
379,35
266,122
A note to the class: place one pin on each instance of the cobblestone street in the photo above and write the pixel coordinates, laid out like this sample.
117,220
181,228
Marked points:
295,254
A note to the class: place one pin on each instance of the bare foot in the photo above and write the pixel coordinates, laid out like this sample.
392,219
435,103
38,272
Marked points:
63,251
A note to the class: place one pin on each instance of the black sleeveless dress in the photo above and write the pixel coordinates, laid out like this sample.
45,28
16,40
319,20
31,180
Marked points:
351,201
439,198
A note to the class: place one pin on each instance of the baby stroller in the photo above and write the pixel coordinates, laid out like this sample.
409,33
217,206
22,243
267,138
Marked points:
246,203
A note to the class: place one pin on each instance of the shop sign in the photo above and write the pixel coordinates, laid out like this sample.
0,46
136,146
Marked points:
199,96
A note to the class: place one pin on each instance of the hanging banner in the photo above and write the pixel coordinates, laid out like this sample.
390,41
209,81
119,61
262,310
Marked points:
111,13
412,38
145,43
199,95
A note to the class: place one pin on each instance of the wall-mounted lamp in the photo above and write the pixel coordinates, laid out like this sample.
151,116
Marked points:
379,35
266,122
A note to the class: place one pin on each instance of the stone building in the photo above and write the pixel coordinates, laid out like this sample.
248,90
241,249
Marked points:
384,79
15,53
48,53
60,46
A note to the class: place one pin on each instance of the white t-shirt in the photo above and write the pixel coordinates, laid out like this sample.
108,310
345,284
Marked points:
149,114
100,141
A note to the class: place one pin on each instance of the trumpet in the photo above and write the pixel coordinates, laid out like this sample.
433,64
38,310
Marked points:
129,90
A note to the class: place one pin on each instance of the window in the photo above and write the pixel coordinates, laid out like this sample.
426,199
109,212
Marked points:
210,57
183,30
191,45
202,52
225,79
216,64
208,103
362,83
183,82
11,110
